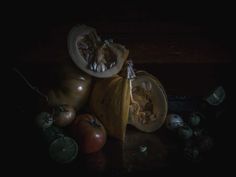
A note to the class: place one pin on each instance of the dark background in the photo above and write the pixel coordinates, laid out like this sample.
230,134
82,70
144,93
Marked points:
29,25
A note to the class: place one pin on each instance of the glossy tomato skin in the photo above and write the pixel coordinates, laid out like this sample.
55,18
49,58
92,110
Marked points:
89,133
63,115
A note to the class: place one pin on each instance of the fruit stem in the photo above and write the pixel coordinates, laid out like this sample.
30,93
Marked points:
94,123
29,84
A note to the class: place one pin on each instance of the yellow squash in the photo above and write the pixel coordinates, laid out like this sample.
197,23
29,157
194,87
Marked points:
138,99
110,100
148,106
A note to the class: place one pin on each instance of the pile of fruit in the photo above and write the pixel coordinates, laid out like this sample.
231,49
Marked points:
103,79
192,133
192,128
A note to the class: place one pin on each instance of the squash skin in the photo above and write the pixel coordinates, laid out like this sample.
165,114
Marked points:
110,101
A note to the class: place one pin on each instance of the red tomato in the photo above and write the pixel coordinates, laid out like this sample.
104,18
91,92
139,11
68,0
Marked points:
89,133
63,115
